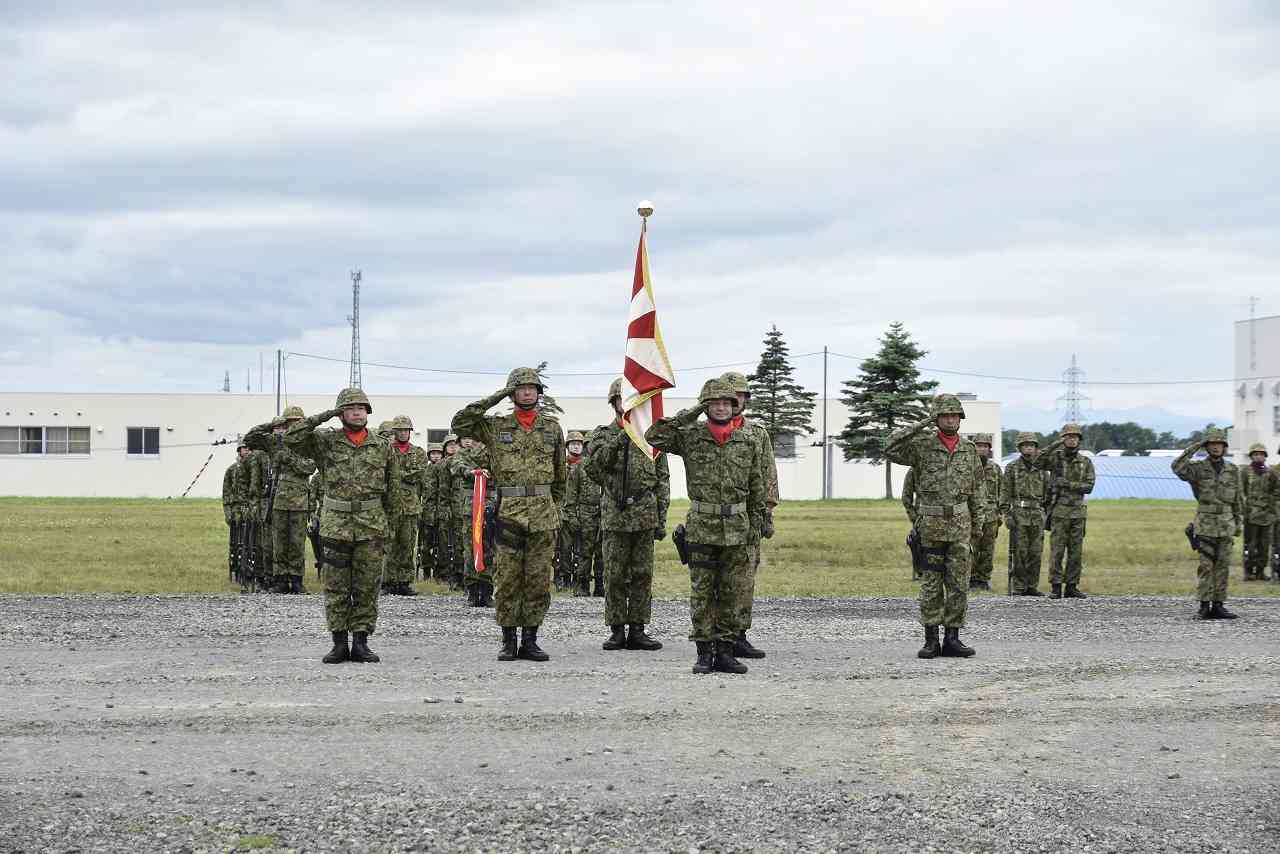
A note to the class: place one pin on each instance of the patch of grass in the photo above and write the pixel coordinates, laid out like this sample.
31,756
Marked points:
831,548
254,842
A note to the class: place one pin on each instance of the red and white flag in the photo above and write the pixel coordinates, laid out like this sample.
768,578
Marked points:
647,370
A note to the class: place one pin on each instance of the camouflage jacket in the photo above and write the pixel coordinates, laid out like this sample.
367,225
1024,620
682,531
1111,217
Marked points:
769,462
413,476
1217,490
520,458
950,486
994,502
289,469
251,480
367,476
232,504
315,494
581,498
725,484
1071,475
637,499
462,482
1025,490
909,494
1261,494
431,491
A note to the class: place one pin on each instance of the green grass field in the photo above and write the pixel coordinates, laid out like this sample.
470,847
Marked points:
833,548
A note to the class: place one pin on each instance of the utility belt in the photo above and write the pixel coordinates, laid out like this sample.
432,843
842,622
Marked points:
711,509
946,511
358,505
1023,503
1208,510
524,491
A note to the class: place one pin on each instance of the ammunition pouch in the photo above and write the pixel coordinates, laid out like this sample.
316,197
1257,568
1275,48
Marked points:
1192,537
511,535
337,553
935,557
680,539
703,556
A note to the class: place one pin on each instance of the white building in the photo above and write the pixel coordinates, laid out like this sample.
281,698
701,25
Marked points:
1256,390
153,445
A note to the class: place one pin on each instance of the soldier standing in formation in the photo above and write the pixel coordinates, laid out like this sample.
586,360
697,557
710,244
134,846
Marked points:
1024,491
994,505
427,531
403,540
746,594
636,492
581,547
726,516
361,474
288,496
1215,482
1072,478
909,500
249,476
462,466
233,510
526,449
448,563
1261,496
949,481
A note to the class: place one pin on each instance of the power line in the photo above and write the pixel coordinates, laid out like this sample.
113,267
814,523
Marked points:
504,373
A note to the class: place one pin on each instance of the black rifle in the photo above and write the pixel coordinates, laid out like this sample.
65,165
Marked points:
680,538
1013,551
313,534
249,545
1198,545
1055,492
451,564
489,533
917,553
233,550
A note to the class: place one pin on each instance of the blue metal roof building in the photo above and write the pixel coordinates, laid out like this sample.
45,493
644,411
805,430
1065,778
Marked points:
1137,477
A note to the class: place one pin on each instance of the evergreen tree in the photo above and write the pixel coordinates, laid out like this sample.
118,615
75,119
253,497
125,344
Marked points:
777,401
546,404
887,394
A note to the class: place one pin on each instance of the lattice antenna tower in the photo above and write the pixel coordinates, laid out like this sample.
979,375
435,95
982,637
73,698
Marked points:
226,381
1073,401
354,320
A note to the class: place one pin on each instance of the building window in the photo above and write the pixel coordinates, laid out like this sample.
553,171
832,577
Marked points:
44,440
1275,421
435,434
33,440
78,441
143,441
784,445
9,440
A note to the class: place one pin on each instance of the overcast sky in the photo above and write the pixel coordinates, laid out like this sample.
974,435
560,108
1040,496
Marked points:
183,188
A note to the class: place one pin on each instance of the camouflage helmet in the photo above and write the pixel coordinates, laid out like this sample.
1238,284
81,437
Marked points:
1025,438
240,444
292,412
575,436
1072,430
981,439
524,376
737,382
452,437
1258,448
615,389
717,389
946,404
351,397
402,422
384,428
1214,435
435,446
278,421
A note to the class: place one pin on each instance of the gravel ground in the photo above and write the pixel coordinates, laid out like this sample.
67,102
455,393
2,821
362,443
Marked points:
208,724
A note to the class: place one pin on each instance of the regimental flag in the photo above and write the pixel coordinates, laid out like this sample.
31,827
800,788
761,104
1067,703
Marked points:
647,370
477,519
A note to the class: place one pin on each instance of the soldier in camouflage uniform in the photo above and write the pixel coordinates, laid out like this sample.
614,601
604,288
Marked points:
250,474
233,510
361,474
724,476
1215,482
909,501
1261,487
290,472
994,505
746,594
636,492
526,450
950,485
580,531
400,573
462,468
1024,492
1071,479
428,520
315,496
1275,531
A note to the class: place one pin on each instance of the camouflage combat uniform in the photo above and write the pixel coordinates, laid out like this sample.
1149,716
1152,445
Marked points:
987,526
232,510
746,593
581,515
1261,492
1219,515
288,518
428,519
1024,491
250,473
401,572
909,501
1072,476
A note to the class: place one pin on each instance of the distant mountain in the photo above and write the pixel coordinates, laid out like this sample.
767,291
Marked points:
1152,417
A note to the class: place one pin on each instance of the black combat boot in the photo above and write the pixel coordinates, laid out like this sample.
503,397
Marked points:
724,661
1073,592
617,638
702,664
584,587
599,591
742,648
508,651
983,585
931,649
339,653
952,646
473,595
1219,612
637,639
486,594
529,649
360,649
296,586
1057,592
407,589
1205,612
1032,592
280,584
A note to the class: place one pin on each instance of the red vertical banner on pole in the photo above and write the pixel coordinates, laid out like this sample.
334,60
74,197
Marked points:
477,519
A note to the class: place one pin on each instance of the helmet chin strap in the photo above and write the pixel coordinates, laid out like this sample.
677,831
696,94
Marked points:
719,420
526,406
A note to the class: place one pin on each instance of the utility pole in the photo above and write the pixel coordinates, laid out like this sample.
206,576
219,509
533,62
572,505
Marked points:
248,384
826,452
354,319
259,372
279,375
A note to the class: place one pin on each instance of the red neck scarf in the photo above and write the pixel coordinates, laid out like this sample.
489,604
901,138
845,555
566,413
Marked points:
1259,467
737,421
721,432
949,442
404,449
574,459
357,437
525,418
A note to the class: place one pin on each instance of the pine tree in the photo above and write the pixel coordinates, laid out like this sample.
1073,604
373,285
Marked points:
887,394
777,401
546,404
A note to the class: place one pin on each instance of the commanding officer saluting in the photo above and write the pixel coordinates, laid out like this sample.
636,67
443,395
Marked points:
949,483
526,449
290,471
1219,514
1072,479
361,475
1025,488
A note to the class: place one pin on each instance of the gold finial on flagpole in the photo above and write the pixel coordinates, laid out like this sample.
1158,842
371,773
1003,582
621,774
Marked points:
645,209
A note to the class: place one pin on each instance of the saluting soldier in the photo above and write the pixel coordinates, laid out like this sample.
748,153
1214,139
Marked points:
1071,479
361,473
994,505
1215,482
1025,491
1261,495
949,481
526,450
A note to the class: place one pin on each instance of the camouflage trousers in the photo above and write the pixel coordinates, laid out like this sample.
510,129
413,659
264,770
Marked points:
424,556
522,576
400,553
628,577
984,550
469,574
264,559
289,542
944,589
352,572
1257,543
744,596
1215,565
584,548
1027,542
714,580
1066,541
